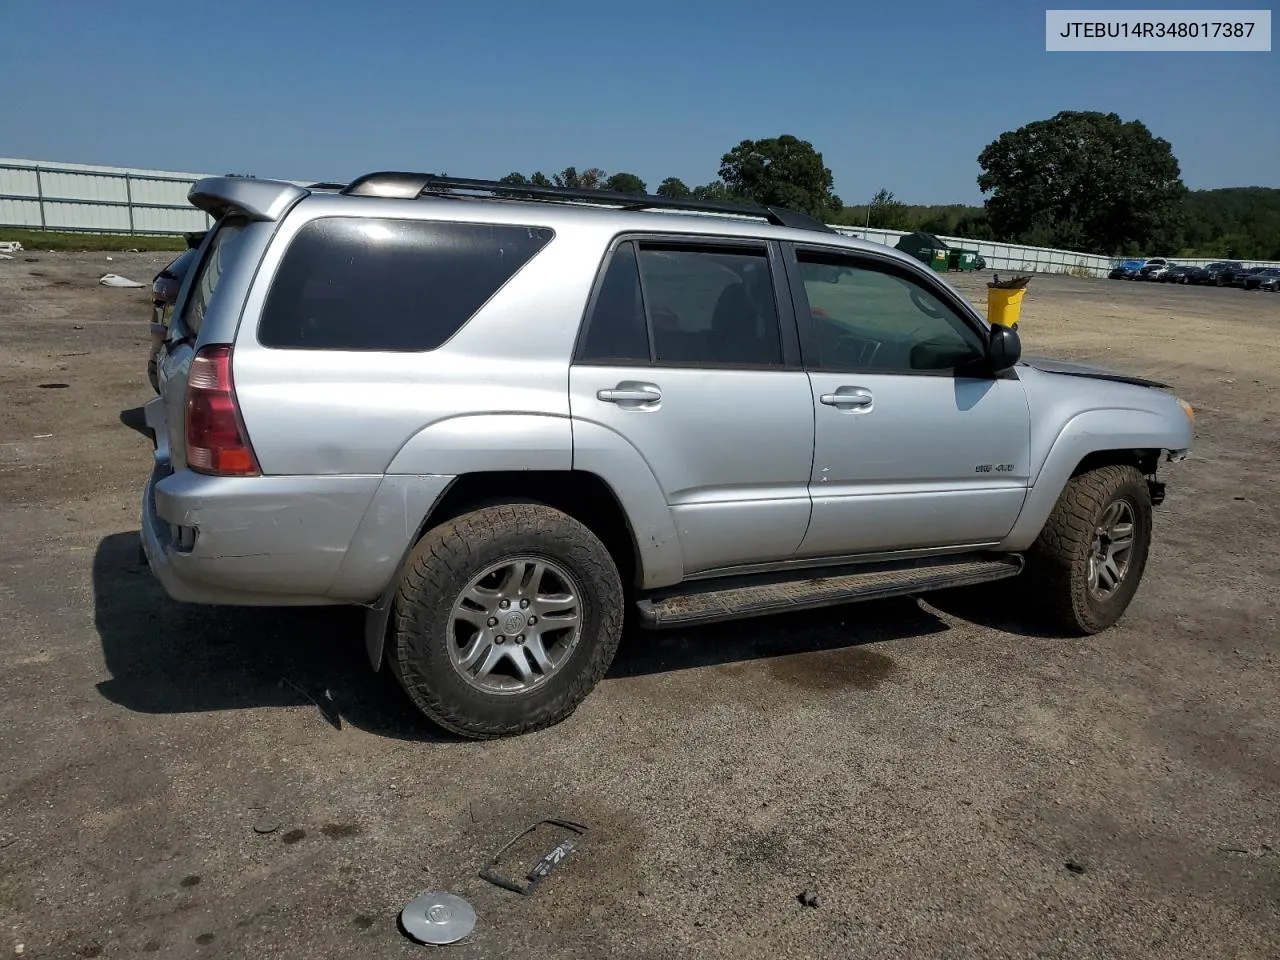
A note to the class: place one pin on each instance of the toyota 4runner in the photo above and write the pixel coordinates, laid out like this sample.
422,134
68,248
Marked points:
504,417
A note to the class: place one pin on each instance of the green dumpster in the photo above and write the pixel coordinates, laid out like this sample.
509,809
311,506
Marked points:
962,259
926,248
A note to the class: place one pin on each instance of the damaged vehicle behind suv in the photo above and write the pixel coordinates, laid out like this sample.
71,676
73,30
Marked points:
501,417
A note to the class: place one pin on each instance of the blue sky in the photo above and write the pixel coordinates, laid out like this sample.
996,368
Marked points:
895,95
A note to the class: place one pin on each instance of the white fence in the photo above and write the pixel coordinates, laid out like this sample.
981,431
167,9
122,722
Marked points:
40,195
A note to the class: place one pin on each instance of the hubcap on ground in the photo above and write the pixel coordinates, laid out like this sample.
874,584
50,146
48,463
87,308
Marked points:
1112,549
515,625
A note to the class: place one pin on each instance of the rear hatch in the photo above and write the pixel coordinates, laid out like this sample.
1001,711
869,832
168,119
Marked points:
194,303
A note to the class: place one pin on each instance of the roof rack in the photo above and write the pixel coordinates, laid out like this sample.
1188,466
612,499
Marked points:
410,186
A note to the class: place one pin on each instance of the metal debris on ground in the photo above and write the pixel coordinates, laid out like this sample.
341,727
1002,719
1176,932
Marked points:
437,917
266,825
115,280
808,898
542,869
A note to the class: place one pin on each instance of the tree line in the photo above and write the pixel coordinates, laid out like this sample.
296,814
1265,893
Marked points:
1080,180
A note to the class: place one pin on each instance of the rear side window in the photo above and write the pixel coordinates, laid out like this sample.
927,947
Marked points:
348,283
685,304
711,307
221,251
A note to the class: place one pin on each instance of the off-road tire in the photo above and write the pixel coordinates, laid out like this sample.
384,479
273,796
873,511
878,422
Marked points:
444,562
1056,579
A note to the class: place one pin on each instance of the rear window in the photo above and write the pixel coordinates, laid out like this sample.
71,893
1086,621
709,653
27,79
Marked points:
348,283
221,251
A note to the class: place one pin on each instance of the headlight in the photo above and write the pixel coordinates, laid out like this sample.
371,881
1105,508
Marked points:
1187,409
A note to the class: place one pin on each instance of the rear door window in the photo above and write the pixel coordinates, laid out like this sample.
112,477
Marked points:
350,283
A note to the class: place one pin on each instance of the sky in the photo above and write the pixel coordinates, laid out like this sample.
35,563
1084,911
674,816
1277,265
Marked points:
900,96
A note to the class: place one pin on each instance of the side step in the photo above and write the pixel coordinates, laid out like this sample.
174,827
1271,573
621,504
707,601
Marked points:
709,601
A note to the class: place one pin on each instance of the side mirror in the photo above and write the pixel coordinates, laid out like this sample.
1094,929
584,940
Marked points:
1004,348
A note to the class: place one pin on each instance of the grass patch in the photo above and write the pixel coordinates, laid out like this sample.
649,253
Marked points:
53,240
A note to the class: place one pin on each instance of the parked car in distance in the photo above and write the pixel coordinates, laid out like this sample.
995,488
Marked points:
1126,270
500,416
164,293
1181,273
1222,272
1241,277
1262,278
1154,269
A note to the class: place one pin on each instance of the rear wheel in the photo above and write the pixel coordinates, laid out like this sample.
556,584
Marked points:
1086,565
505,620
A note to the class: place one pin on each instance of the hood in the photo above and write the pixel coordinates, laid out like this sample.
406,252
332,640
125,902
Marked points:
1070,369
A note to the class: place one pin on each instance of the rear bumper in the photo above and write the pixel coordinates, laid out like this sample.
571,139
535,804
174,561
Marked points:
253,540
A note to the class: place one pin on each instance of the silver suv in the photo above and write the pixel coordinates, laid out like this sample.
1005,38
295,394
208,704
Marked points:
503,418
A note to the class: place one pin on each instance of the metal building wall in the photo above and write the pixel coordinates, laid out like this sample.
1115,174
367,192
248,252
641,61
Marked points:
39,194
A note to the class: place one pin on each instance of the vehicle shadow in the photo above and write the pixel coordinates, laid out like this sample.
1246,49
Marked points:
168,657
997,606
831,628
135,419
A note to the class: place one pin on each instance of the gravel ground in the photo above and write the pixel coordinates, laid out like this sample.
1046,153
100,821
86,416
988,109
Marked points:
945,782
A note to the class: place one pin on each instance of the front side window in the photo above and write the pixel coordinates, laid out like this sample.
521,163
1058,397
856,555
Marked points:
354,283
871,318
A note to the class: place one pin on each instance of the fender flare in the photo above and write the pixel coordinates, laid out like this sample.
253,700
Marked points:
484,443
1093,431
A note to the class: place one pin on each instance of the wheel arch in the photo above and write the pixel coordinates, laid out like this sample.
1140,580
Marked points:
1092,439
583,495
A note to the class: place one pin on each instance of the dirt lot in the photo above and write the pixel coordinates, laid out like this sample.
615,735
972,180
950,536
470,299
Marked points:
927,769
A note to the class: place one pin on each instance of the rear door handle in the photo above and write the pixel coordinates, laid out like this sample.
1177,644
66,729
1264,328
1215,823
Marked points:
856,397
622,394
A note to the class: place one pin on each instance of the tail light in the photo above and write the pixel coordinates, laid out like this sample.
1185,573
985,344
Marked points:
217,442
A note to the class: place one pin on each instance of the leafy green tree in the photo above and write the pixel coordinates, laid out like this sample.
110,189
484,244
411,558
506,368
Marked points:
781,171
886,212
1083,180
514,178
716,191
540,179
569,177
625,183
674,188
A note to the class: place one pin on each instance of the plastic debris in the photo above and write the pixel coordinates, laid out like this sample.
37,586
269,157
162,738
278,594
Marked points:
5,256
542,869
1013,283
10,246
115,280
437,917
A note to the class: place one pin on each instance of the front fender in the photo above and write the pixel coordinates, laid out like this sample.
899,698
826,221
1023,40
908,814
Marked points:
1093,431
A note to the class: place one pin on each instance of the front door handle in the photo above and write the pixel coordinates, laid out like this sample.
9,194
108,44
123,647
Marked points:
858,398
635,394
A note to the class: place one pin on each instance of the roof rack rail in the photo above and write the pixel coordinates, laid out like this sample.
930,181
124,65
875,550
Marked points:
410,186
325,185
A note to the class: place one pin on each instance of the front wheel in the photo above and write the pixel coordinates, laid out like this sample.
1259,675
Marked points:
505,619
1085,566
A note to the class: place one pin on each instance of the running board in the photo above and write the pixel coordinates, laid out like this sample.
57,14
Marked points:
753,597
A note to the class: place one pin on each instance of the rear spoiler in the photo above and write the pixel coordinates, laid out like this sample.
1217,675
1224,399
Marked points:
254,199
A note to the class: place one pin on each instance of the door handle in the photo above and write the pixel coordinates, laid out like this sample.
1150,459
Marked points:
630,395
858,397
